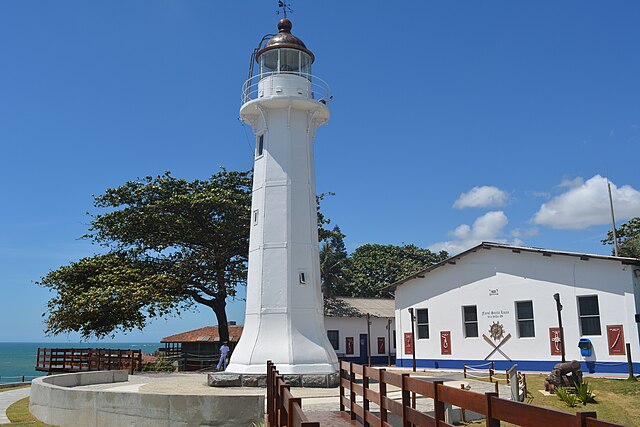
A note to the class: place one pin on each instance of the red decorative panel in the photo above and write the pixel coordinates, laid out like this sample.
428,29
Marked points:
408,343
615,338
349,345
445,342
555,340
381,346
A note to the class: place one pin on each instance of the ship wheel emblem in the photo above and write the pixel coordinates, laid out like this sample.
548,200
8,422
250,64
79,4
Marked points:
496,331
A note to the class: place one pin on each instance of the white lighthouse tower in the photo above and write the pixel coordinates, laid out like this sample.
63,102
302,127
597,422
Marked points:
284,320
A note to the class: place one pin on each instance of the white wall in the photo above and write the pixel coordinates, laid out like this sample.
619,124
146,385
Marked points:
515,277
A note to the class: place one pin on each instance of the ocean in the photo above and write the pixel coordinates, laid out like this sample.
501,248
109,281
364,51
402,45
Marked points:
18,359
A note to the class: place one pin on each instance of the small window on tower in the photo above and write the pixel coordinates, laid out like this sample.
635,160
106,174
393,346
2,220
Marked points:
303,277
260,145
256,215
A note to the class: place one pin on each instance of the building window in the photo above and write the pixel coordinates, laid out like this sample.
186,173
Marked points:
422,319
589,314
260,145
470,314
302,276
394,339
524,315
256,214
334,338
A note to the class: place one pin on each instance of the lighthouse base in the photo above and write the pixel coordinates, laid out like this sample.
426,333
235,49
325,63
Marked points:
230,379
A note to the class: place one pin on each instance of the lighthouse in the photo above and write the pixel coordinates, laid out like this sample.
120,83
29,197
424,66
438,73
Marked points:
285,105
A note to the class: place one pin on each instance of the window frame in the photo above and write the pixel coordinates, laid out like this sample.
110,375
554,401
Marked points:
259,145
521,320
422,326
582,317
335,341
466,322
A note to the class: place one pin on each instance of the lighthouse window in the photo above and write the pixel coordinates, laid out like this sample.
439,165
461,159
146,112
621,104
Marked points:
303,277
260,145
269,61
255,217
289,60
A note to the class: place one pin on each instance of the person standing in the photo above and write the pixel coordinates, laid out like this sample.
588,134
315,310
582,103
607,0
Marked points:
224,350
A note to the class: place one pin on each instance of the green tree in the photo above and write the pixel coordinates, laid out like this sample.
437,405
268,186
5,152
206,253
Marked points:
170,243
628,238
334,263
374,266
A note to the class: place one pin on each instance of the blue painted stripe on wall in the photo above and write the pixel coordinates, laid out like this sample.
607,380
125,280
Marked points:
524,365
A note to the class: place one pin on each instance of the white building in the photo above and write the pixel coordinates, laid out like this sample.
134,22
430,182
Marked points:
495,302
361,327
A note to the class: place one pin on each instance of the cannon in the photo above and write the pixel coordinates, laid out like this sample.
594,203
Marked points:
567,374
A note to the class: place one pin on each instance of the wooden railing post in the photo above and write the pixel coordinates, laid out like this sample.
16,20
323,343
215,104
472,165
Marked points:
491,372
406,400
270,418
491,422
352,394
465,371
581,418
383,394
365,399
342,375
283,419
438,405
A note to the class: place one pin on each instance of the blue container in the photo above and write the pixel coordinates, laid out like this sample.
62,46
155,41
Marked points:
585,347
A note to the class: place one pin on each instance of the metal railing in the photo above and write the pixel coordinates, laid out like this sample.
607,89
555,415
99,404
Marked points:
4,379
319,89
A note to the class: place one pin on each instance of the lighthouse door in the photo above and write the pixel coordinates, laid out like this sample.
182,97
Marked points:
364,348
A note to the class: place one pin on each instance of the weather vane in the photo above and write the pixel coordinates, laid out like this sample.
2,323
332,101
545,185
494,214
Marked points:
285,8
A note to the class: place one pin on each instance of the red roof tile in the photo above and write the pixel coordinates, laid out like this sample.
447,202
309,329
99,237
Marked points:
206,334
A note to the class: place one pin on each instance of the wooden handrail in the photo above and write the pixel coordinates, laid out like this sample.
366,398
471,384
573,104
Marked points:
283,410
355,380
87,359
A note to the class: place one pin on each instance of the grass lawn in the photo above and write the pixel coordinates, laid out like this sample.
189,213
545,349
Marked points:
618,400
13,388
19,415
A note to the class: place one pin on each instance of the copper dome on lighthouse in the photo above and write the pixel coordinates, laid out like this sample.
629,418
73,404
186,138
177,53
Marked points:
284,39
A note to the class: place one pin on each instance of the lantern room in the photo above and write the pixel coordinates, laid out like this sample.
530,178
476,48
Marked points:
285,53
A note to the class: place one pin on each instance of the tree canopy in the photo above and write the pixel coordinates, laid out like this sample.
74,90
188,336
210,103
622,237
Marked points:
170,243
334,263
628,238
374,266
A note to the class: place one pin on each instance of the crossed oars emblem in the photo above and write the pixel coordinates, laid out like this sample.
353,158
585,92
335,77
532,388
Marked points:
496,333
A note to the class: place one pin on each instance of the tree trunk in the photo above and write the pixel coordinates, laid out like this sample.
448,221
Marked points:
219,308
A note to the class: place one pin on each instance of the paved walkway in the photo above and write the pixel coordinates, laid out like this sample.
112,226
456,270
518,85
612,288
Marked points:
8,398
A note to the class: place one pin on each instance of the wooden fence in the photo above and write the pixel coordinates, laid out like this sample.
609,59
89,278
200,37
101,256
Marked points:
282,408
357,397
87,359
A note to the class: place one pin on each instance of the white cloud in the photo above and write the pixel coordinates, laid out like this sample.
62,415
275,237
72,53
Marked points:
487,228
485,196
586,203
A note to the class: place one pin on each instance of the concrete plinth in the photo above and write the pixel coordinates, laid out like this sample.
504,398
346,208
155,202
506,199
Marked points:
230,379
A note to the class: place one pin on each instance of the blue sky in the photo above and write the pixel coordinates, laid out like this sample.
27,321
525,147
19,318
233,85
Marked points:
452,121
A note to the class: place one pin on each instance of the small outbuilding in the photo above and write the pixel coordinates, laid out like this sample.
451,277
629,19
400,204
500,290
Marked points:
501,303
198,349
370,320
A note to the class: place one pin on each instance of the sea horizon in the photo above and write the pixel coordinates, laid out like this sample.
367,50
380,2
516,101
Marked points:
18,359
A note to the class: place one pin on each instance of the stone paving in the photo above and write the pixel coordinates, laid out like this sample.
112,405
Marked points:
8,398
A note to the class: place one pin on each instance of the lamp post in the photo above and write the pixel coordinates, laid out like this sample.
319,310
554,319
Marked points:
413,339
556,297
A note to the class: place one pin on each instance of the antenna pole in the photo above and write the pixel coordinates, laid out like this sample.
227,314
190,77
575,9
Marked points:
613,220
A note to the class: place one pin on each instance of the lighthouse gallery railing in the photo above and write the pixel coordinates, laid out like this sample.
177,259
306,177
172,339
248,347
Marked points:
318,88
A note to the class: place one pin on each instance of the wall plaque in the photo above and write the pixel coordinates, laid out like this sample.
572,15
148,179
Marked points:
615,338
555,340
445,342
408,343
